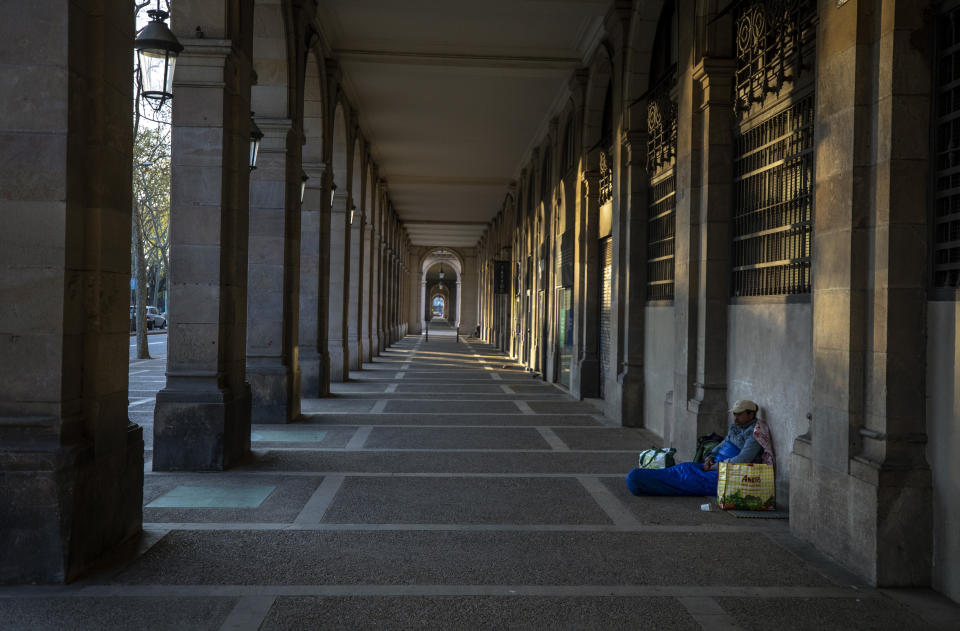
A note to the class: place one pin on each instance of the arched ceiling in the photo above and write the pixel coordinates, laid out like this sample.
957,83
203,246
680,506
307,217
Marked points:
452,95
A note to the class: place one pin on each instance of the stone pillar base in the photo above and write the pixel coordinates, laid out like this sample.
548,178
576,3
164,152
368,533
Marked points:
310,372
200,430
631,396
338,370
356,352
64,506
587,381
875,522
272,394
375,344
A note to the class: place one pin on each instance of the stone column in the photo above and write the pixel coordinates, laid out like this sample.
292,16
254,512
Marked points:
381,295
864,456
422,311
355,292
202,417
459,302
313,215
273,276
633,231
707,407
366,315
339,289
585,373
71,463
375,264
686,245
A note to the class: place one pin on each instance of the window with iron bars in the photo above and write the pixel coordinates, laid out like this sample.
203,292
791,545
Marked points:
774,40
661,190
946,194
606,177
772,220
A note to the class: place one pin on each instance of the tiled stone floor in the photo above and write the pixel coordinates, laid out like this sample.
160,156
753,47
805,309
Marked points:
443,488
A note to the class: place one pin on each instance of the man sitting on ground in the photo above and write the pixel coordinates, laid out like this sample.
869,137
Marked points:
692,478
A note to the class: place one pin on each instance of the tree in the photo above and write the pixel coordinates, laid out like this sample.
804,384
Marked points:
151,200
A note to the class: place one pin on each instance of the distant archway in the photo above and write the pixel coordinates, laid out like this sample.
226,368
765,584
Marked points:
449,262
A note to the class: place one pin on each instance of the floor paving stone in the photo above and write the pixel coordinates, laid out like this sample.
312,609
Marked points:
826,614
444,487
450,612
456,557
388,500
455,438
442,462
98,614
287,497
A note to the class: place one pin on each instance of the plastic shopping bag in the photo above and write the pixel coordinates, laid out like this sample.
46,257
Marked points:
656,458
746,487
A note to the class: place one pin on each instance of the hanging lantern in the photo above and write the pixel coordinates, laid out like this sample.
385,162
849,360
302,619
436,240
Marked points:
157,49
255,137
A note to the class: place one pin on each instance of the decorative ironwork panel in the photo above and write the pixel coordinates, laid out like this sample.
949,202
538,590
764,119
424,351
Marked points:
661,126
773,205
501,277
606,308
606,176
772,36
661,228
661,190
946,211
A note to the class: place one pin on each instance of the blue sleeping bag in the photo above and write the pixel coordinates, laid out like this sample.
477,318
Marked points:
686,478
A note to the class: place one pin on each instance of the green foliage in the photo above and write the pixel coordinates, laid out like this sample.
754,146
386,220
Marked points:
738,501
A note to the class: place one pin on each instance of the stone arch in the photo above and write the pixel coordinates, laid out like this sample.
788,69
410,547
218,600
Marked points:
433,258
599,86
643,30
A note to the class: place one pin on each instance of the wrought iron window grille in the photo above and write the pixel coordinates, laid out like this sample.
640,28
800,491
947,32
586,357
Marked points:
771,37
661,124
605,185
772,222
946,193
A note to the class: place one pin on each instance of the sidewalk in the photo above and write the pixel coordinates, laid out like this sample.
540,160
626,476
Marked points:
446,489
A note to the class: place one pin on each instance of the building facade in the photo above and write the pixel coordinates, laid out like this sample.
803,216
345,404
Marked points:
739,199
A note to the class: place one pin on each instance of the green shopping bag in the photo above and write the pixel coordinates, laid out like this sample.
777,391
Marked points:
654,458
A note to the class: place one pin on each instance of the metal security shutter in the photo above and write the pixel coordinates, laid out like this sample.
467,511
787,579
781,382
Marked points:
606,300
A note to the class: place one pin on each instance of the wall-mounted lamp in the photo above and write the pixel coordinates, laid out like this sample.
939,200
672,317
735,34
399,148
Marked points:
255,137
157,49
303,185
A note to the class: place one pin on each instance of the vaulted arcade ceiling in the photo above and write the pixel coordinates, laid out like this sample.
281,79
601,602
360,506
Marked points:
453,94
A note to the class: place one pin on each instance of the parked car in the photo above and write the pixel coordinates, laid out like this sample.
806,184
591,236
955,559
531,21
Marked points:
154,319
154,316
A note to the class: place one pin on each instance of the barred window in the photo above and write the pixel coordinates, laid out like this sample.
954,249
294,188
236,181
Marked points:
774,39
773,206
946,197
661,190
606,177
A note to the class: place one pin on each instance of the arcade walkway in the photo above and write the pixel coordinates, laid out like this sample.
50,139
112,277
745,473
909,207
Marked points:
446,489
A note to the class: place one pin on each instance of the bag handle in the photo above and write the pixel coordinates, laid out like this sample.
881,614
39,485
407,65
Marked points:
649,456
